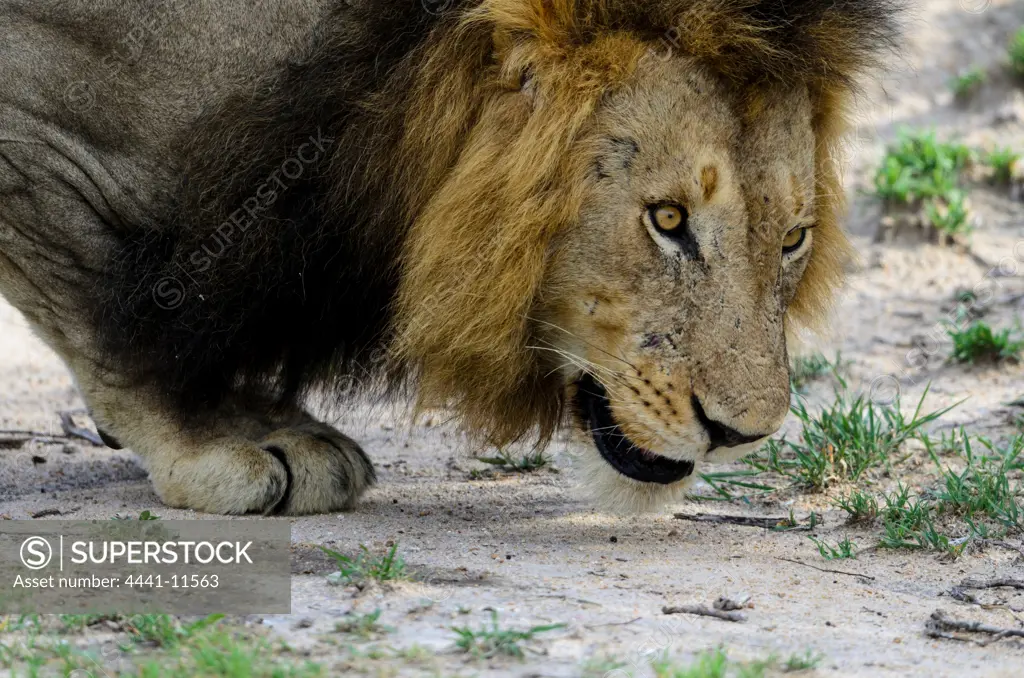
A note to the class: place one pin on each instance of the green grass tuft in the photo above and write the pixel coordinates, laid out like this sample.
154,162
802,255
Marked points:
365,565
716,664
983,490
485,642
967,83
986,495
724,481
861,507
950,213
1002,160
909,523
78,622
842,550
145,515
226,655
843,441
1016,51
172,649
162,630
802,662
601,666
710,664
978,342
362,625
919,169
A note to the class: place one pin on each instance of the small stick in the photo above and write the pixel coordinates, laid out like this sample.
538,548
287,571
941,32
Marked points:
21,437
626,623
745,521
981,261
992,583
940,626
1019,548
827,569
47,512
582,601
13,436
703,611
964,596
26,434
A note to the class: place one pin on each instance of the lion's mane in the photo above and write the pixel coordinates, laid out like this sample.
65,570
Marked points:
425,226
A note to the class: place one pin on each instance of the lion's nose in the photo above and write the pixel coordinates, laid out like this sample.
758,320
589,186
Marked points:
720,434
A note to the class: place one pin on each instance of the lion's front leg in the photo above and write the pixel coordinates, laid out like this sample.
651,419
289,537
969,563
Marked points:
238,459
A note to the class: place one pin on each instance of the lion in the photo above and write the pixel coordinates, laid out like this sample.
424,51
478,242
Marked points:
605,215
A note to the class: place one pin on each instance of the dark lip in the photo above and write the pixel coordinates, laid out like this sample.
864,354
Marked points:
618,450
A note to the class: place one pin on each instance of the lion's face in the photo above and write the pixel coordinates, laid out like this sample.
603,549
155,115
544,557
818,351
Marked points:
626,229
664,307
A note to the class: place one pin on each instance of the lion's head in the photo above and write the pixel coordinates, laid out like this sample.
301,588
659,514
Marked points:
631,220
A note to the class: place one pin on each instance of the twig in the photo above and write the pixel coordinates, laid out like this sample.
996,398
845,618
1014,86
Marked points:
745,521
957,593
1019,548
25,435
48,512
941,626
984,263
827,569
10,437
960,593
703,611
992,583
625,623
582,601
18,439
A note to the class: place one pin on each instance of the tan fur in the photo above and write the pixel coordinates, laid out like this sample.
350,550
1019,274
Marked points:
464,311
488,315
709,181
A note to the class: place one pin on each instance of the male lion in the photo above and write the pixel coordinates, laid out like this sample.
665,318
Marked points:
612,208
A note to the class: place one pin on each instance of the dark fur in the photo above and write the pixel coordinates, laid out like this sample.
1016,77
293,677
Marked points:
305,296
306,290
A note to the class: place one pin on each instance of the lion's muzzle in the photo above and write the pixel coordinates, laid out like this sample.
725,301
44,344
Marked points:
615,447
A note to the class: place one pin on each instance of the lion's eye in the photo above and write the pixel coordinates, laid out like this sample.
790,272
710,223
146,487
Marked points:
667,217
793,240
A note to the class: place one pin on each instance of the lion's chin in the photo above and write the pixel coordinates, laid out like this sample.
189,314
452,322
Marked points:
623,477
612,492
617,450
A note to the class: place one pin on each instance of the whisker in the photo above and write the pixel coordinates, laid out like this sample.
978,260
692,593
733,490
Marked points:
577,360
604,428
588,343
582,363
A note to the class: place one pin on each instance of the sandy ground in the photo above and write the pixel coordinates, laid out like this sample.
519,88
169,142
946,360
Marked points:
532,548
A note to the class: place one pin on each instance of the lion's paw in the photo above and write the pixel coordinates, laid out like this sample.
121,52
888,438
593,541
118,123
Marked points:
307,468
326,469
